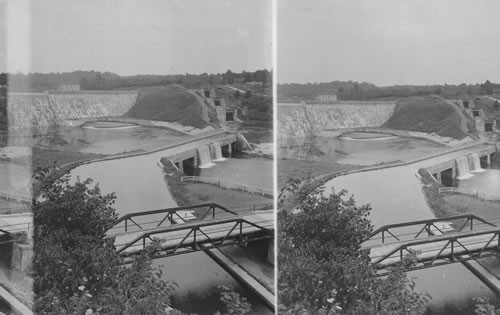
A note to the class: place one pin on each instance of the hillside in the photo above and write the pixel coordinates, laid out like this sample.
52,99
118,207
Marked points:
430,114
171,104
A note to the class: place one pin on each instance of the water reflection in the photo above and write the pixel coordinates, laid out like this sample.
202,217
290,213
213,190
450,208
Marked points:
92,140
357,151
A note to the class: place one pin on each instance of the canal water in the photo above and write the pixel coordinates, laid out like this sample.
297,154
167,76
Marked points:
139,185
395,195
94,137
488,180
355,148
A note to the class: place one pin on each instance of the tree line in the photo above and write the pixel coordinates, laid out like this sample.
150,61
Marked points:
96,80
351,90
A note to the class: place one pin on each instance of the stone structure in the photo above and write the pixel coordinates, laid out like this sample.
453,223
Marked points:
69,87
300,120
219,104
326,98
36,110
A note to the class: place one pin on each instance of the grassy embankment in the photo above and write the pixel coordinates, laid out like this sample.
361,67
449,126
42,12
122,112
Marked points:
432,115
196,193
303,170
173,104
48,158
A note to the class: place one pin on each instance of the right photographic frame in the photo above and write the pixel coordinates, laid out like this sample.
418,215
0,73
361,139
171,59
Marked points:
388,171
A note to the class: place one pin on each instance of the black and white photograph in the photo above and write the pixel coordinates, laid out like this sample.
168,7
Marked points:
248,157
388,172
136,157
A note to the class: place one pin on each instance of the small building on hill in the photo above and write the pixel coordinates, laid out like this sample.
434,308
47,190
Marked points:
326,98
69,87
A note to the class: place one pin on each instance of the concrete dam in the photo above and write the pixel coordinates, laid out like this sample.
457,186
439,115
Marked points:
299,120
38,110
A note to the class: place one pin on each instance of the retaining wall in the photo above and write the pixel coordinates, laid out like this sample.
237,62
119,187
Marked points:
36,110
303,120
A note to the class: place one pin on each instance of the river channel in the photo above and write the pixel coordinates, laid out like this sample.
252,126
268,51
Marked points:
139,185
395,195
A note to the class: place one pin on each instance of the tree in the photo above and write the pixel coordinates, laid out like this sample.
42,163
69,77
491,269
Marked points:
77,267
228,77
322,268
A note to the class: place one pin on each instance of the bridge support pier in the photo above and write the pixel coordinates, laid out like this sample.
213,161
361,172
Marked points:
438,177
195,164
454,173
181,167
230,150
270,252
22,255
488,160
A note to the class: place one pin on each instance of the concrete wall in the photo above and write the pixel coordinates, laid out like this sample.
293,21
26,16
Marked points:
302,120
36,110
27,110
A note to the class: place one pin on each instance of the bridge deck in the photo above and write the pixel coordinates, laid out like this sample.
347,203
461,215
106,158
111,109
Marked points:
433,248
16,223
174,235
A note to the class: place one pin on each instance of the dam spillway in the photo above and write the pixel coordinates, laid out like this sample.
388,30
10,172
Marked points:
474,163
204,157
463,170
38,110
216,152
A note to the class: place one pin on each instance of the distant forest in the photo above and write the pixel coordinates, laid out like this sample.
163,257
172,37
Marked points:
95,80
349,90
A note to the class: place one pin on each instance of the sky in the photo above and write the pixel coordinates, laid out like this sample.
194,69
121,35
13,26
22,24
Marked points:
388,42
130,37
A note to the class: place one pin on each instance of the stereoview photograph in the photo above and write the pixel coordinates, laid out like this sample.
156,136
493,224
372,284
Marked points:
136,157
388,157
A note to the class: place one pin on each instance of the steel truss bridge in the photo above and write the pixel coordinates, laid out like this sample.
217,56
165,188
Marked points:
177,231
433,242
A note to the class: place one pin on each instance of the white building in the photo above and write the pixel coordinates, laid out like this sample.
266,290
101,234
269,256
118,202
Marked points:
326,98
69,87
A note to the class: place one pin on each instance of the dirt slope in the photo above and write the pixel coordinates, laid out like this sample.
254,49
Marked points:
172,104
430,114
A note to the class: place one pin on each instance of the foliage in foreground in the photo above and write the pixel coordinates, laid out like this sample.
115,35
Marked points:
322,268
77,269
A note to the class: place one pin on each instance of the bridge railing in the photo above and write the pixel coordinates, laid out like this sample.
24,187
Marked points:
156,218
179,239
429,227
228,184
471,192
16,228
15,197
443,249
10,210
